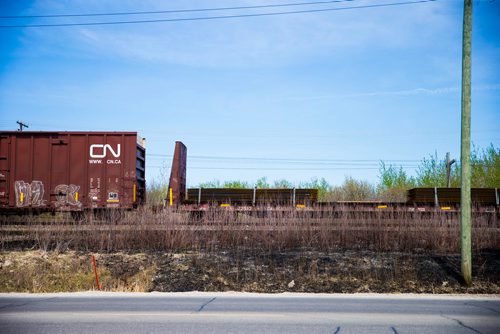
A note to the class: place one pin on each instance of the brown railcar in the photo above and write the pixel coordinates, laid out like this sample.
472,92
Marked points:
71,171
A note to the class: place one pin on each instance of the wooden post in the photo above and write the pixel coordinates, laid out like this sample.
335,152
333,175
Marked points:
96,275
465,200
448,169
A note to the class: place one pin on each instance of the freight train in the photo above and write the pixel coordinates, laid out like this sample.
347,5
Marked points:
78,171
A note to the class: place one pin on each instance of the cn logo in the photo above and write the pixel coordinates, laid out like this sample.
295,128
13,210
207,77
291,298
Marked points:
99,151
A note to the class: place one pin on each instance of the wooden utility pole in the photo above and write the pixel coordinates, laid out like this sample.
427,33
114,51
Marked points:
448,169
465,200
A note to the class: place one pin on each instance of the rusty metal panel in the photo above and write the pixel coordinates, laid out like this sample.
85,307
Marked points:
482,196
177,182
70,171
246,196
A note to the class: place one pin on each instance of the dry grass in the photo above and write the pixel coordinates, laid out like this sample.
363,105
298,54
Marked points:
221,229
223,249
38,272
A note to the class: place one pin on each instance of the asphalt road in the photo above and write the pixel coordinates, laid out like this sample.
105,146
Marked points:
247,313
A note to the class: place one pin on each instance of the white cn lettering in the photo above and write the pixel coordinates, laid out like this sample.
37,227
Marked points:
104,151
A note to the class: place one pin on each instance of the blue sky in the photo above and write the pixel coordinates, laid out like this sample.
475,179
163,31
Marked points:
326,94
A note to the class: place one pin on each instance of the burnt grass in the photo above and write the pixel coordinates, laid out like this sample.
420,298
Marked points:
320,272
346,271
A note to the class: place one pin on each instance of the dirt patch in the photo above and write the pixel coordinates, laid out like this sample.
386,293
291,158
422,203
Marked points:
294,271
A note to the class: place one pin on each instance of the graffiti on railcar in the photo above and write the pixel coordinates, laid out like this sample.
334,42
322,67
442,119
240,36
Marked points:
29,194
67,194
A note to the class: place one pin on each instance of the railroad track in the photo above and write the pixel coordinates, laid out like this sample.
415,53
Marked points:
254,220
65,231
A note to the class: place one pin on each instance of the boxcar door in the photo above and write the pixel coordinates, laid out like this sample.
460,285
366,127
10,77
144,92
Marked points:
59,191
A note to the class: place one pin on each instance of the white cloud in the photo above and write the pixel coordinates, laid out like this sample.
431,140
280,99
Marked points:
406,92
275,40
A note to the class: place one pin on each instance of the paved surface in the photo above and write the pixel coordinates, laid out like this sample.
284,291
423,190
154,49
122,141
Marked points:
247,313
